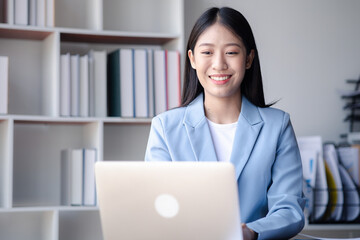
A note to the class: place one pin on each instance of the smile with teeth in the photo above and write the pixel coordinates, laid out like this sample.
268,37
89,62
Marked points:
220,78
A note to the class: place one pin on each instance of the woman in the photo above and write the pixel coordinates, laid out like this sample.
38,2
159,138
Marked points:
223,117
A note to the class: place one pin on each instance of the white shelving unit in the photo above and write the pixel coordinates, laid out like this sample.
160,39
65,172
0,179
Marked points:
33,133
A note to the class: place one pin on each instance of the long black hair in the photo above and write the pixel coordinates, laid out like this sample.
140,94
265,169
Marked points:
251,86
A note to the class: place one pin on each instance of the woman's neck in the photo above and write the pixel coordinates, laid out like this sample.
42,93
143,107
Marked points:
222,110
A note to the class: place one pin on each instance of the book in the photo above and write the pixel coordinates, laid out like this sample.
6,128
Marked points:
113,84
32,12
3,11
351,196
160,81
173,79
75,85
65,78
141,83
151,96
98,78
8,11
84,86
91,87
4,84
41,13
308,159
89,192
336,200
49,14
71,177
127,98
21,12
349,158
321,197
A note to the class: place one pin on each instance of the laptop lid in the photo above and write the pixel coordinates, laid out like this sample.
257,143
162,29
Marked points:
168,200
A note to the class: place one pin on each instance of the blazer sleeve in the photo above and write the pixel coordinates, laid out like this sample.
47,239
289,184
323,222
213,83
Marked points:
285,217
157,149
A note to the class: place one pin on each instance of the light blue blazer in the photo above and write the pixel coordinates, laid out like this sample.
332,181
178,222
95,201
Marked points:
265,155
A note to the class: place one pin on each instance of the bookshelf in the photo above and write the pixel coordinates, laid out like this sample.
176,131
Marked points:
33,132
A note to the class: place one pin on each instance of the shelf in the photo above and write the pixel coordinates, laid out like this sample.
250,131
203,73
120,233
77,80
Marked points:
79,225
24,32
125,142
115,37
28,225
61,120
48,209
37,154
33,134
32,91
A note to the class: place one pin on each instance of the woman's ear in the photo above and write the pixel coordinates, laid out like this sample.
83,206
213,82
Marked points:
249,59
192,59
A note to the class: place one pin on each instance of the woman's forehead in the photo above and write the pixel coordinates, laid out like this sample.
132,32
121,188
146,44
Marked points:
218,33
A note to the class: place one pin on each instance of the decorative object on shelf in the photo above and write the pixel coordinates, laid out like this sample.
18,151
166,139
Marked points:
353,104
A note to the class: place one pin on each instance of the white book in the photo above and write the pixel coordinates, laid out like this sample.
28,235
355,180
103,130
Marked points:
89,198
151,97
321,196
71,176
4,84
173,79
334,182
141,83
127,82
349,158
91,86
160,84
49,14
21,12
65,76
75,84
32,12
351,196
40,13
84,86
99,82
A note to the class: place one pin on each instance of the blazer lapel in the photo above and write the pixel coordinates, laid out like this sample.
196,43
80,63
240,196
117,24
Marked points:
198,131
247,131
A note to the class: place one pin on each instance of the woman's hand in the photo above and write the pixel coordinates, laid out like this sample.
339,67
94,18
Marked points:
248,234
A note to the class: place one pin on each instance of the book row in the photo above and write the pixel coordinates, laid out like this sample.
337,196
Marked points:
28,12
331,180
78,177
123,83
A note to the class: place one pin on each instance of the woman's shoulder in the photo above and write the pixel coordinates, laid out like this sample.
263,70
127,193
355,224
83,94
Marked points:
273,114
172,116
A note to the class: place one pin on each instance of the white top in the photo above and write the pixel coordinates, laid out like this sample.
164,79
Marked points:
223,138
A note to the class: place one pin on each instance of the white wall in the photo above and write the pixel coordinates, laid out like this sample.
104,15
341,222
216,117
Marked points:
307,51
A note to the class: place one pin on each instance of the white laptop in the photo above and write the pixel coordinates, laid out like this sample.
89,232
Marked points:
168,200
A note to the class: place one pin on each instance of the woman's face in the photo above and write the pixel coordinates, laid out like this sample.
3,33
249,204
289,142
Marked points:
220,61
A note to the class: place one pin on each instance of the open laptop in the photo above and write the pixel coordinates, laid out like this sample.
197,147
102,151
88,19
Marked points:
168,200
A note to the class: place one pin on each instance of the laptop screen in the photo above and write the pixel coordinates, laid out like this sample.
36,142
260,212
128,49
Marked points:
168,200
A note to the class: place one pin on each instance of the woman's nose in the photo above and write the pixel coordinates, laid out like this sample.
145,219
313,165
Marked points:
219,62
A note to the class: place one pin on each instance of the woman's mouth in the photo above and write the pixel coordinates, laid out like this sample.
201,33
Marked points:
220,79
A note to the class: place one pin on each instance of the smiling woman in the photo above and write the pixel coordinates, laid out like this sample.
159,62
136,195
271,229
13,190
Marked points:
220,60
224,117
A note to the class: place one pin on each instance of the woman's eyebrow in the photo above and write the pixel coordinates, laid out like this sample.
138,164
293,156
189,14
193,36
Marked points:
211,45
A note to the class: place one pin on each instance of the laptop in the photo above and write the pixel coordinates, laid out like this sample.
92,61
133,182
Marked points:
168,200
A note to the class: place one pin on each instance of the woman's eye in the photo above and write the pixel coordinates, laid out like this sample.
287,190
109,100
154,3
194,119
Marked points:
232,53
206,52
